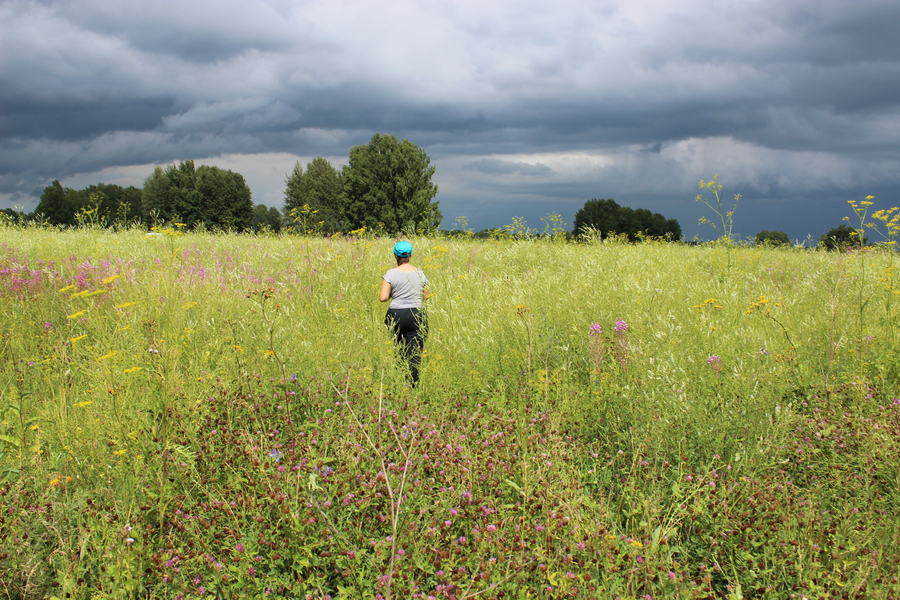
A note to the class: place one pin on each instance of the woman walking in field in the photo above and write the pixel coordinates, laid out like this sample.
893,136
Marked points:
406,287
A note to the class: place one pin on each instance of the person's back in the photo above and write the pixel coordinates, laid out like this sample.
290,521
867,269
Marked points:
406,287
407,284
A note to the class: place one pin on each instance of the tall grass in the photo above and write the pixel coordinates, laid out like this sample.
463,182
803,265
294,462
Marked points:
203,415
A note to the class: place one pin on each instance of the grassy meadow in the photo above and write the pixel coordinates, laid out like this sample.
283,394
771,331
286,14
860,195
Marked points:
224,416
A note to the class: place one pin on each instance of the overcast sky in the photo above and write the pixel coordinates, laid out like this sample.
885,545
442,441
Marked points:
525,107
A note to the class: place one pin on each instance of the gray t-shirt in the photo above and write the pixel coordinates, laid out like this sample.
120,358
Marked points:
406,288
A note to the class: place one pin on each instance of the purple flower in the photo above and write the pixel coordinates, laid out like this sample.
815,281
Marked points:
713,360
620,326
596,329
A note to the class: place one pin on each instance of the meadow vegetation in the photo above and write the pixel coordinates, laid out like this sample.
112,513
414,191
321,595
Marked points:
187,415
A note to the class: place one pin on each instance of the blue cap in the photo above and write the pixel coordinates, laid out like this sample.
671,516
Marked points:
402,249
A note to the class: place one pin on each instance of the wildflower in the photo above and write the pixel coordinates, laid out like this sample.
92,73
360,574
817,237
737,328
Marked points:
48,326
239,547
596,329
715,363
620,326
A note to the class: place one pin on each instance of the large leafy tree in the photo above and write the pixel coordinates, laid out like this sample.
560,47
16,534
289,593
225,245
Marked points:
318,189
58,205
842,237
216,197
115,204
266,217
388,187
608,217
772,238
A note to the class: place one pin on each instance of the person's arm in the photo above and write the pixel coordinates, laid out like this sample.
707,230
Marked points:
425,293
385,293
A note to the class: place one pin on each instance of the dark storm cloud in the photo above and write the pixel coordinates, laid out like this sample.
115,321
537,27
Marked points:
540,105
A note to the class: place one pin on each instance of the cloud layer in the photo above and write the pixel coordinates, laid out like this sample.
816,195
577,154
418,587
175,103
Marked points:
524,108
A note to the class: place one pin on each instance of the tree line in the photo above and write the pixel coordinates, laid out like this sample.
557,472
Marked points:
385,188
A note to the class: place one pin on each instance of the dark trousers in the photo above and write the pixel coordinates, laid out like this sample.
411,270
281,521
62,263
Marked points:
410,330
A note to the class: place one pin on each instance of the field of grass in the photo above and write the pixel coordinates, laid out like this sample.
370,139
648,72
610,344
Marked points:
224,416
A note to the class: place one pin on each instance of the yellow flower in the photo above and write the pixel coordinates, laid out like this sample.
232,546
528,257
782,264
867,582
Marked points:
120,452
76,315
55,482
77,338
109,279
67,288
132,370
126,304
83,403
35,427
107,355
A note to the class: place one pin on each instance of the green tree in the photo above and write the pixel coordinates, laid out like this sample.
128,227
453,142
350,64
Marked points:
387,187
320,189
607,217
267,217
58,205
225,198
216,197
772,238
115,205
842,238
602,215
11,215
